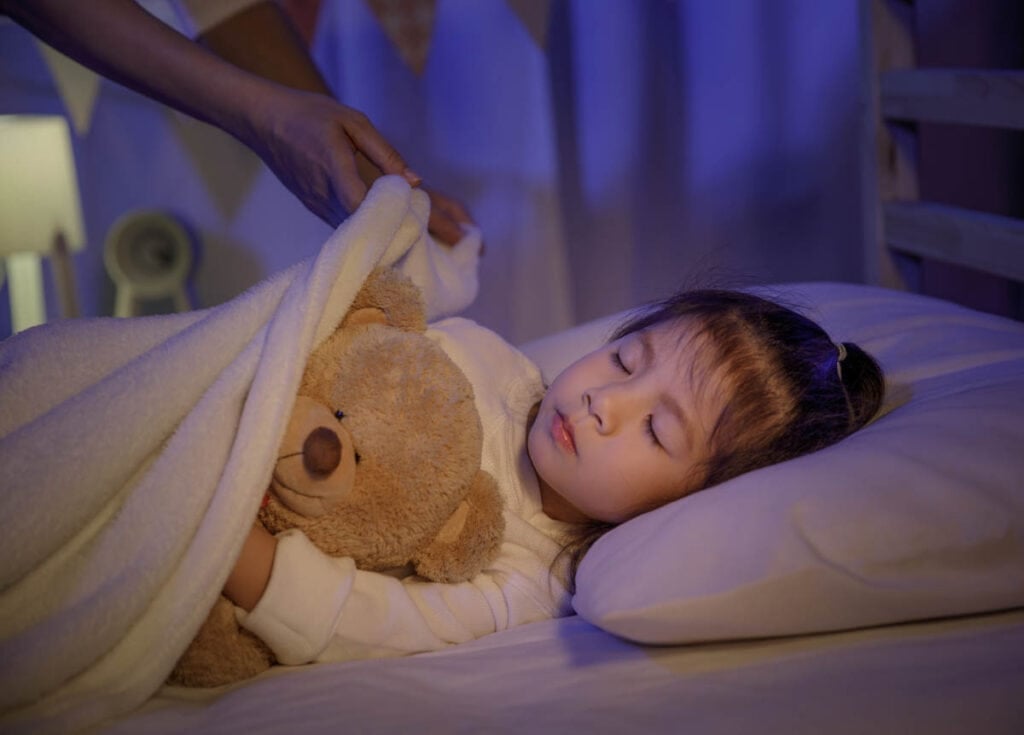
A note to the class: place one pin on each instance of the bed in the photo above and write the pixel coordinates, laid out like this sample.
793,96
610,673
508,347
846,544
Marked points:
875,586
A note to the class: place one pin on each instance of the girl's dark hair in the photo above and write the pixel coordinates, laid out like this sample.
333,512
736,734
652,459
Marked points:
791,390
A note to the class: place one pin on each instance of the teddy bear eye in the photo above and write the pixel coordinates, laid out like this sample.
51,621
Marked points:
339,414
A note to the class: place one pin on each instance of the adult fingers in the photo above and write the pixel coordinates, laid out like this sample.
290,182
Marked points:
375,147
451,207
444,228
348,186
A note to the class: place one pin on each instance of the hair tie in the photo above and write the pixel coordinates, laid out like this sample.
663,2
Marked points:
840,356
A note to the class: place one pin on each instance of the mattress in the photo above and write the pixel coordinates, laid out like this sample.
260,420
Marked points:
962,675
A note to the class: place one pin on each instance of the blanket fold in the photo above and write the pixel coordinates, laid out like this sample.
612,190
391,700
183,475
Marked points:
133,456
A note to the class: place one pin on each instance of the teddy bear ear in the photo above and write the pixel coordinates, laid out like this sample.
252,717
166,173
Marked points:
366,315
469,540
395,295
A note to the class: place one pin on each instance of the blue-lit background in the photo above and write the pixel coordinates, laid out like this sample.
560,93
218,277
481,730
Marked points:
610,152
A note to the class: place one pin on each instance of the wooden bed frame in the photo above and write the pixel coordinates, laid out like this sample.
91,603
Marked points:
900,229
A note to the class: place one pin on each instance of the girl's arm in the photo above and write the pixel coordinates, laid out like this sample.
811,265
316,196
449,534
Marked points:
318,608
308,140
249,577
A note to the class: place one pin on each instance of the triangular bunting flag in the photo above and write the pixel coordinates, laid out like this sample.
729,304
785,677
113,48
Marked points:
535,15
409,25
304,15
228,169
78,87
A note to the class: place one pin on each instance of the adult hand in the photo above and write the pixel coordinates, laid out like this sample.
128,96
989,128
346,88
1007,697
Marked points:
310,142
328,154
262,40
447,215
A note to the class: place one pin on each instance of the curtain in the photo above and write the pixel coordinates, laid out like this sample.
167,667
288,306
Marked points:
611,150
626,148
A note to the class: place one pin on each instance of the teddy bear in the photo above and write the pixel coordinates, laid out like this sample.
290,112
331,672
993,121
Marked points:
380,462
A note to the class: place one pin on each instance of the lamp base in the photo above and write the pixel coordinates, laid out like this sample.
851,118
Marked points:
25,287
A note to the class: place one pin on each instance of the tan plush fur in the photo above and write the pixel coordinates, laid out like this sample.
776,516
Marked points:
400,485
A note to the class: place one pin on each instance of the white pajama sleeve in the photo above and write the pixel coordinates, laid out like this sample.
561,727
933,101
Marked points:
318,608
302,601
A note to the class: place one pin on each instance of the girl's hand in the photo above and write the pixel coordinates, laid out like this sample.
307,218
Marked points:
248,579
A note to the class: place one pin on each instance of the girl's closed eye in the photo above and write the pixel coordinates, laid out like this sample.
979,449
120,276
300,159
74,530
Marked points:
616,358
650,431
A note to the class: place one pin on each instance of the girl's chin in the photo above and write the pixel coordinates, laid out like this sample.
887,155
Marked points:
557,507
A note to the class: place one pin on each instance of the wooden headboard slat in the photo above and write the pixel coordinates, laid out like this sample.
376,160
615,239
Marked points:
985,242
958,96
902,233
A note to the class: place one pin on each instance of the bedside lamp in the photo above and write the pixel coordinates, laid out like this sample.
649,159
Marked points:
40,213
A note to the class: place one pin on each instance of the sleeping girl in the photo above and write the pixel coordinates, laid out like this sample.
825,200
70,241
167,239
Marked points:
697,389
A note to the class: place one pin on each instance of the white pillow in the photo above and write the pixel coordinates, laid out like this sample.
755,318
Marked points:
918,515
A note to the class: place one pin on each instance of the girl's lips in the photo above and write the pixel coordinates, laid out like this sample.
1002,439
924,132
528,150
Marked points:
561,432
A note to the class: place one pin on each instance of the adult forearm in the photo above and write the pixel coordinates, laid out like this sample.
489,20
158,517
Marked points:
262,40
120,40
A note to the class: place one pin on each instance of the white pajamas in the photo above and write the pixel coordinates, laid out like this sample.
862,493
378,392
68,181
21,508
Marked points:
321,609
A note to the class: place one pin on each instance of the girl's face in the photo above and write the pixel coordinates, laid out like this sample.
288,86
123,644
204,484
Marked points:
623,429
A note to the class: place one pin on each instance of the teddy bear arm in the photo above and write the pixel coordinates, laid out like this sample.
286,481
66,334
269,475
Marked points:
470,539
221,653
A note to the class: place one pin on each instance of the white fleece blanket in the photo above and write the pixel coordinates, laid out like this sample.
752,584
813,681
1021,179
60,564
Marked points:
133,456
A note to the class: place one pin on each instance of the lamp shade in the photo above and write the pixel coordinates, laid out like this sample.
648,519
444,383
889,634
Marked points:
38,185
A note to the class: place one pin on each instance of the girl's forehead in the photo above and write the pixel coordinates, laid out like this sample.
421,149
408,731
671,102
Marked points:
682,339
697,362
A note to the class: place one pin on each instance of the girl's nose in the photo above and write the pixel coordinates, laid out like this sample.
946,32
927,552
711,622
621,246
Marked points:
602,405
588,403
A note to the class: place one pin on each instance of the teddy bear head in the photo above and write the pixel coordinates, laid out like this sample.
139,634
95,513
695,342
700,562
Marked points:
381,458
380,462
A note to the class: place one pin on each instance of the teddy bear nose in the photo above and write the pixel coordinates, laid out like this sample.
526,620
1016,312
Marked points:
321,452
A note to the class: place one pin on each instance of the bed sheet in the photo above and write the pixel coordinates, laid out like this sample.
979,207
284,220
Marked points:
952,676
955,675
